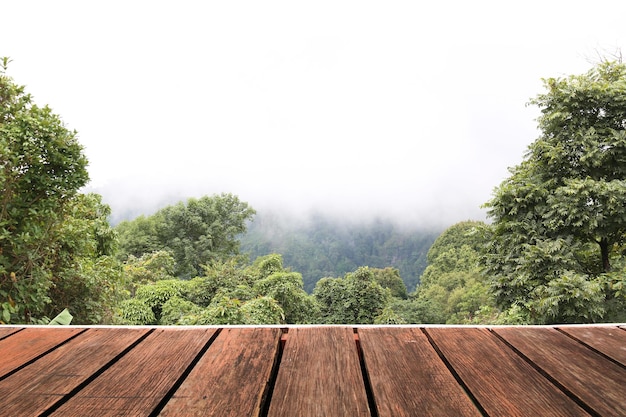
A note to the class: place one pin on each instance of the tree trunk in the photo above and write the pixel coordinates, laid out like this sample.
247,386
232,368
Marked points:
604,252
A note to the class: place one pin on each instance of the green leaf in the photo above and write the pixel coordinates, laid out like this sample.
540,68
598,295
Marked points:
64,318
6,315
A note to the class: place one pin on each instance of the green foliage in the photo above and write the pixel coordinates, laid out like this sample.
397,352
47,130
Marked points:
196,233
56,245
157,294
202,231
262,310
559,219
224,277
269,264
138,237
355,299
390,278
388,316
463,234
223,310
231,293
64,318
86,278
41,169
135,312
148,269
569,298
286,288
175,309
452,288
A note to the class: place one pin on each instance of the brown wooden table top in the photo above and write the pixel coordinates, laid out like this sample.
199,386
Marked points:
313,371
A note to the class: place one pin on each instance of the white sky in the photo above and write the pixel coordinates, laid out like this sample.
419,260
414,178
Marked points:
359,107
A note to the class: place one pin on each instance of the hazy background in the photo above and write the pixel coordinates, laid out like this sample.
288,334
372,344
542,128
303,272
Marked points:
402,109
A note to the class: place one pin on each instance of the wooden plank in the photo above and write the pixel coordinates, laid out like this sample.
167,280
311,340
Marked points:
407,376
597,381
136,384
232,376
30,343
500,380
609,340
7,331
319,375
40,385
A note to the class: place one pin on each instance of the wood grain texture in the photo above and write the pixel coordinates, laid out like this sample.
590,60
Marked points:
505,371
319,375
28,344
6,331
232,376
611,341
136,384
502,382
598,382
39,386
407,376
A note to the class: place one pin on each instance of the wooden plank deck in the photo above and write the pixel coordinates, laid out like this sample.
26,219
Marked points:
320,375
313,371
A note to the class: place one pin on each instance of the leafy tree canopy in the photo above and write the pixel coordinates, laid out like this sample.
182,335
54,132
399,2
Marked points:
559,220
452,288
357,298
196,233
55,244
229,293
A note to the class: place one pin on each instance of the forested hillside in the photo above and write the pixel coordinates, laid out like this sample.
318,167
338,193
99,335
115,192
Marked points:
321,246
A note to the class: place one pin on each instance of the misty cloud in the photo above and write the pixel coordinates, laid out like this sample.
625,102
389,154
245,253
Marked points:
403,110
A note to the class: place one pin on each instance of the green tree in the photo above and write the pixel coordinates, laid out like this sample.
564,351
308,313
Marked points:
157,294
390,278
196,233
229,293
286,288
228,278
137,237
222,310
135,312
559,220
85,276
176,309
148,269
262,310
452,288
49,235
355,299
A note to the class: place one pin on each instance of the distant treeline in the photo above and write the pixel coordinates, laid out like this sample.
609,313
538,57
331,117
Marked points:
322,246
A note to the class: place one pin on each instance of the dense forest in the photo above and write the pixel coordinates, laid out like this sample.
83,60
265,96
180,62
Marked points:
322,246
553,251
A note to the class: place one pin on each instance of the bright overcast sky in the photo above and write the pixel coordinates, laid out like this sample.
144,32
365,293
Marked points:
390,107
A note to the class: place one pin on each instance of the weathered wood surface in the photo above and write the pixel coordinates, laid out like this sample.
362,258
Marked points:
26,345
136,384
5,331
583,372
40,386
501,381
609,341
407,375
231,378
320,375
313,371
